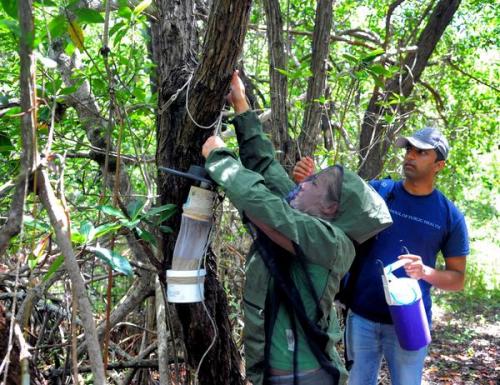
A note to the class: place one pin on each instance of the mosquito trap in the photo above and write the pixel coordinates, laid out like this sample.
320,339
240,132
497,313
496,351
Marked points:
185,280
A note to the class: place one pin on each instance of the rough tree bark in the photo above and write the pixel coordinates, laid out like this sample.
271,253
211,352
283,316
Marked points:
27,86
316,84
376,135
278,82
179,143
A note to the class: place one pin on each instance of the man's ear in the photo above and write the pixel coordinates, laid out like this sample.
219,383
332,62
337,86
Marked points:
330,210
439,165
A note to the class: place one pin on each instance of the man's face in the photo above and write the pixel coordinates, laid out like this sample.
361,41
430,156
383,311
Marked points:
421,164
311,197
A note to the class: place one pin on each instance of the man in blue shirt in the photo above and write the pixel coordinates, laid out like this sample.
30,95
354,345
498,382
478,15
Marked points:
425,223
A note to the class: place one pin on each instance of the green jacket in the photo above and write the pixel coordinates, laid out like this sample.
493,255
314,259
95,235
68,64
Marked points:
257,186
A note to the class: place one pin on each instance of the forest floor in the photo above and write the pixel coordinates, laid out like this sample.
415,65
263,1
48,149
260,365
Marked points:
465,343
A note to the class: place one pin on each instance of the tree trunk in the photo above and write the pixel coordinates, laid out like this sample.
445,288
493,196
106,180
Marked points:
278,82
316,85
376,134
179,141
28,107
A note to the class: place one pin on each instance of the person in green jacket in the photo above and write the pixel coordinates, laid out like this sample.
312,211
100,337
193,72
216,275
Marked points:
304,244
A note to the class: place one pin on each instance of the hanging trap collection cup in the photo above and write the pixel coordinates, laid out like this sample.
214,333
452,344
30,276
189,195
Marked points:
404,297
186,278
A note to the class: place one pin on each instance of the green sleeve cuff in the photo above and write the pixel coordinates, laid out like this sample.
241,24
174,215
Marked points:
247,126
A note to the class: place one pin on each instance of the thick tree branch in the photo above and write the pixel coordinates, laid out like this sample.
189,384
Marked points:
278,81
376,134
316,84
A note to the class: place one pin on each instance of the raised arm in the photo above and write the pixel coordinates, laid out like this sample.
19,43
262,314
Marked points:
256,150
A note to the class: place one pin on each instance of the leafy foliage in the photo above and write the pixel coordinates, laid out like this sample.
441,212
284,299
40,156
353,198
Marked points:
459,92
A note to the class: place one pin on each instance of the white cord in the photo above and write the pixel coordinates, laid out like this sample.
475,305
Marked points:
214,326
216,122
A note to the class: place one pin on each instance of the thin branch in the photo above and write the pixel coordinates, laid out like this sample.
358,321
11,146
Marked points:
127,159
137,364
161,325
390,11
61,226
336,37
437,98
456,67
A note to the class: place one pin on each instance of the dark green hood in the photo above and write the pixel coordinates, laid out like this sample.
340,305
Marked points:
362,213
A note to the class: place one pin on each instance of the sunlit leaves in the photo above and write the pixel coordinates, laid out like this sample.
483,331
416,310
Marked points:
111,211
54,266
76,34
88,231
117,261
5,143
88,16
10,7
57,26
139,8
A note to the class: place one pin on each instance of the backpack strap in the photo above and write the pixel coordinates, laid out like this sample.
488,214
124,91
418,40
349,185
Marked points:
288,294
386,190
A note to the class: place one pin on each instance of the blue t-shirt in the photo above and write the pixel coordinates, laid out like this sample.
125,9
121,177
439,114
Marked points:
424,225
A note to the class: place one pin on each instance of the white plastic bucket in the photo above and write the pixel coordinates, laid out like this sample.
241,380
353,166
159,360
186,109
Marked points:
186,292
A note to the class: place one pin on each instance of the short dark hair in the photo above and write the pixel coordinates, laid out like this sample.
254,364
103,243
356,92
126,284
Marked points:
439,156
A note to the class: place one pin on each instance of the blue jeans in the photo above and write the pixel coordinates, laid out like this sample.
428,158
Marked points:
367,342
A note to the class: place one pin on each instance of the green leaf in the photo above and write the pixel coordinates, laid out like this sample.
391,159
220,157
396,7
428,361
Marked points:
147,236
71,89
5,143
106,229
283,72
35,224
111,211
169,208
45,3
139,8
379,69
119,36
115,28
88,230
88,16
130,224
32,262
10,25
53,267
76,237
10,7
125,12
117,261
372,55
378,80
58,26
350,58
76,34
70,49
166,229
134,208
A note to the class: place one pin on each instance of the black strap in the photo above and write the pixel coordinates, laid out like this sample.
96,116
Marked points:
317,339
